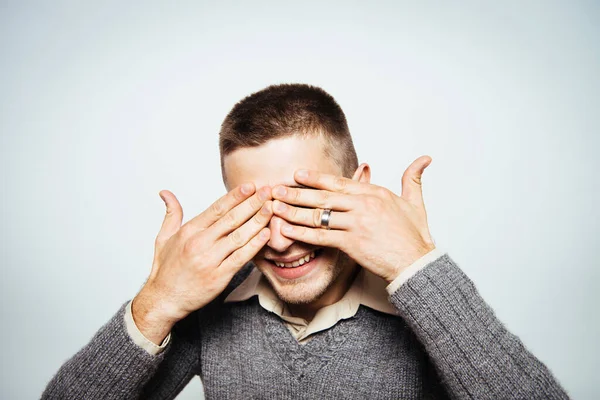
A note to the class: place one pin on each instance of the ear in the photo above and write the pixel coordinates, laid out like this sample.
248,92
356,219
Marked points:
362,173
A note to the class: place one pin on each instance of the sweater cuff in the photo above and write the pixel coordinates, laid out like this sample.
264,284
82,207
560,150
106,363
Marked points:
139,338
412,269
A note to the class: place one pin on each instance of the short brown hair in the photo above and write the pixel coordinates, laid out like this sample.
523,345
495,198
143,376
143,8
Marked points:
284,110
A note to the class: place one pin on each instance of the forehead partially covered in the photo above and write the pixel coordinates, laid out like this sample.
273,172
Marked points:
276,161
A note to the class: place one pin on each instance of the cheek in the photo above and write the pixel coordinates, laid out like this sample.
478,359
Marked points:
262,265
330,256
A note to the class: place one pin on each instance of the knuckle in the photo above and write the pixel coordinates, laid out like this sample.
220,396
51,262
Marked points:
229,220
316,218
218,208
323,199
372,202
236,238
293,213
237,194
189,247
258,219
369,201
364,222
254,202
202,264
359,222
295,194
321,236
382,192
251,246
257,242
339,183
235,258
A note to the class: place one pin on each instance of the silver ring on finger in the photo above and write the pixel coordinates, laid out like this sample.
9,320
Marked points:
326,218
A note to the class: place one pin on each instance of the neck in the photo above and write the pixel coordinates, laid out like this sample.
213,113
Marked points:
332,295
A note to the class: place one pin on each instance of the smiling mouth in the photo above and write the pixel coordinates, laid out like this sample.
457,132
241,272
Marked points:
294,270
296,263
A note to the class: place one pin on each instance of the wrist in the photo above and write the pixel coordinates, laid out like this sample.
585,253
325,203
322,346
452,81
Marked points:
409,260
152,317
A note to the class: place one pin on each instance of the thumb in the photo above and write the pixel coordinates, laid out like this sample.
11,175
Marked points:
173,218
411,180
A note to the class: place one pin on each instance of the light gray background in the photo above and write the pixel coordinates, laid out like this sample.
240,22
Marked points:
104,105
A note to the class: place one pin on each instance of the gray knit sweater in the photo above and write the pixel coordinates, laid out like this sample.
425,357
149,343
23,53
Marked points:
446,344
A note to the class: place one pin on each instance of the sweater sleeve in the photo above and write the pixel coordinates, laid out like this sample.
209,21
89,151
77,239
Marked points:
474,354
113,366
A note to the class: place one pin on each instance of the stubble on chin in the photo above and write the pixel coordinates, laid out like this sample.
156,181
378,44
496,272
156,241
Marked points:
311,289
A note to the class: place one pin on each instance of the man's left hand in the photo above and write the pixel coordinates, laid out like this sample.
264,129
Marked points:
381,231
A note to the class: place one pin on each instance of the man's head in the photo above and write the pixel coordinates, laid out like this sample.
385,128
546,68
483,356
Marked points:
267,137
281,111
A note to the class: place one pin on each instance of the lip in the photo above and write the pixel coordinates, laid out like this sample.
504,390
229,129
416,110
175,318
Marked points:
296,272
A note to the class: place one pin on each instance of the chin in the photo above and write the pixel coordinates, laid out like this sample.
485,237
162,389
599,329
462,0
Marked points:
306,283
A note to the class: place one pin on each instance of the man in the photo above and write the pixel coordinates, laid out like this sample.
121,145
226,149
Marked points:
346,296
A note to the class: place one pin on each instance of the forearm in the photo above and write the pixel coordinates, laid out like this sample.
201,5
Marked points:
110,366
474,353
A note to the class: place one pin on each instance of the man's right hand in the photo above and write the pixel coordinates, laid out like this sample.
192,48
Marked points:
194,263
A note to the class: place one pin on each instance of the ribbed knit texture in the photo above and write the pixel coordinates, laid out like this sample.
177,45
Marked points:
476,356
447,344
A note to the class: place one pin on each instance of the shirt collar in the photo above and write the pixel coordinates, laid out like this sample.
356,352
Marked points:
367,289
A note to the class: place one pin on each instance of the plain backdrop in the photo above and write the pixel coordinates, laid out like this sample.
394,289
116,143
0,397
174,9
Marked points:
103,104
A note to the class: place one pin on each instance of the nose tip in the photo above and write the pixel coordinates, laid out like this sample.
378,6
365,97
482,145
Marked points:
278,242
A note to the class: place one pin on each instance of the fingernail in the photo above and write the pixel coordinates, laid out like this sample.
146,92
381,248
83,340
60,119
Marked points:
281,207
280,191
287,228
302,173
264,234
247,188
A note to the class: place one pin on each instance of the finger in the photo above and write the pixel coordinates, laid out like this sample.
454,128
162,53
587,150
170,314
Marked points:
329,182
411,180
239,214
244,233
310,217
314,198
173,217
317,236
221,207
241,256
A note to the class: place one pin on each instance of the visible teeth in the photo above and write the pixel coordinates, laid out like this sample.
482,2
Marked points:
296,263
